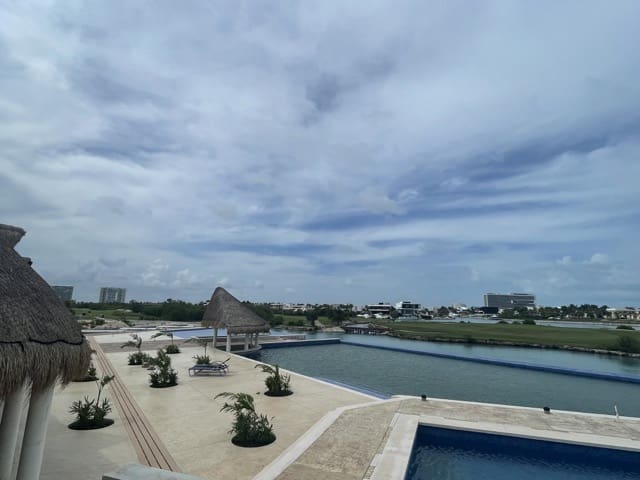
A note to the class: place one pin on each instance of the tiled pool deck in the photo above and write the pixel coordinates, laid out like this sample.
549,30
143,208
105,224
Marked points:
323,431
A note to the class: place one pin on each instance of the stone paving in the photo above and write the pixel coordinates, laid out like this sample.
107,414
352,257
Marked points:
323,431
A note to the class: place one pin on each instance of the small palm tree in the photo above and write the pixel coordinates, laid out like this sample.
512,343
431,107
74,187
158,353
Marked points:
137,358
91,413
173,348
162,375
249,428
136,341
277,383
203,342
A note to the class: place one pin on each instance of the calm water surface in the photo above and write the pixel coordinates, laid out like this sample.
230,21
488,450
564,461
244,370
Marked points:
454,455
560,358
392,373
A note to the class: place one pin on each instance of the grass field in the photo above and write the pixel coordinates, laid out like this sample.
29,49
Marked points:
113,314
301,320
521,334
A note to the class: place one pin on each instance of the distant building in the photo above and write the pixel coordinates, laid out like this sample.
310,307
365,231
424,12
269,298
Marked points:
112,295
380,309
510,300
408,309
64,292
626,313
487,310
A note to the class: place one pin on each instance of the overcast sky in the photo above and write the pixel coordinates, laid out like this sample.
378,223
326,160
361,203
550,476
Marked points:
325,151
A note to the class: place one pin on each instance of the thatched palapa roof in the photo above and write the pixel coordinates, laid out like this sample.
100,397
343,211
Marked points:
226,311
40,340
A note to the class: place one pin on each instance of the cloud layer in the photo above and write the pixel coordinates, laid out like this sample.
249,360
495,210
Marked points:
325,152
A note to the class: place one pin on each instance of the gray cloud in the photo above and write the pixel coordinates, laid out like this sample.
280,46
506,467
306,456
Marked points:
309,143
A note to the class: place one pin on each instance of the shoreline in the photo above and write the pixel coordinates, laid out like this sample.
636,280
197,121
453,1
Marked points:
517,344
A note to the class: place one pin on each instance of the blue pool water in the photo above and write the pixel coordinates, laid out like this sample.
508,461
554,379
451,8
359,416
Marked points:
447,454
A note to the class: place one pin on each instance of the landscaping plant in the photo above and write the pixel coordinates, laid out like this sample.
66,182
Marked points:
277,383
248,428
137,358
202,359
170,349
90,376
90,414
162,375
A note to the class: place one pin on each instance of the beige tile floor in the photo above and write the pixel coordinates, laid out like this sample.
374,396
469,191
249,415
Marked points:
82,455
188,421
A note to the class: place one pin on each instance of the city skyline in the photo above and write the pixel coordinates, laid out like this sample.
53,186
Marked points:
334,154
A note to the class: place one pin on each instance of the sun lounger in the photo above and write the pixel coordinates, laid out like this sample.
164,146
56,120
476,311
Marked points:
209,368
217,367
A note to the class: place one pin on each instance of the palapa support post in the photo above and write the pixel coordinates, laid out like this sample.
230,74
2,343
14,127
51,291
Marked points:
228,341
35,433
215,339
246,341
11,414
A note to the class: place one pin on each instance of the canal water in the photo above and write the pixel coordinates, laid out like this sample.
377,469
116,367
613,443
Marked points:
393,373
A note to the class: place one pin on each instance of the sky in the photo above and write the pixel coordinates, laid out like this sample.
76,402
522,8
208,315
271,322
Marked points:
325,152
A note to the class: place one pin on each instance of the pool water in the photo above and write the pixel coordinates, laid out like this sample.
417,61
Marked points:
400,373
447,454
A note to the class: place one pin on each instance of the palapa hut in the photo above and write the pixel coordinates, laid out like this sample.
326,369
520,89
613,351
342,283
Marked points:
226,311
40,343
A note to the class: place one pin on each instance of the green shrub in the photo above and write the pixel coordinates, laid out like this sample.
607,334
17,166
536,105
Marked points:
277,383
529,321
627,343
162,375
171,349
248,428
139,358
502,322
296,322
624,327
277,320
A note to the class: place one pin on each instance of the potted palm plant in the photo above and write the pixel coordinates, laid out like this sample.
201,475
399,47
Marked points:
91,414
249,429
277,383
162,375
203,342
170,349
138,357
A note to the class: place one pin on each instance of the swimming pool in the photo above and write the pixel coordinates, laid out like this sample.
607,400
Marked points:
448,454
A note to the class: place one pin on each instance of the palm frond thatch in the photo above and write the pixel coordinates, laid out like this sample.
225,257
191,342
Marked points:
40,341
226,311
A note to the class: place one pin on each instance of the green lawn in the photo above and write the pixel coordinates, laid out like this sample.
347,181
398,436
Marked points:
521,334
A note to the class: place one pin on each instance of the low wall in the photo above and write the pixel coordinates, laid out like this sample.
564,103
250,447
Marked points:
300,343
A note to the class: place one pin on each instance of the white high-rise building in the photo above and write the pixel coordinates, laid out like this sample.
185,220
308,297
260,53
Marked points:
112,295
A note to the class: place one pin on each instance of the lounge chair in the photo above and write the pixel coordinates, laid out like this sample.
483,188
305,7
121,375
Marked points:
208,369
